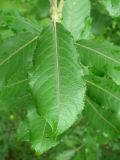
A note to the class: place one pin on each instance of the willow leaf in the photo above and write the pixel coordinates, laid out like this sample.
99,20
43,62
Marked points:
101,58
56,80
75,16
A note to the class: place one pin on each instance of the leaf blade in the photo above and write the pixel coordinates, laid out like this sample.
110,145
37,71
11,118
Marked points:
75,16
57,78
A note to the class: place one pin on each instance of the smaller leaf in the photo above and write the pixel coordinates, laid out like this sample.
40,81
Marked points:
15,60
101,121
75,17
14,23
40,133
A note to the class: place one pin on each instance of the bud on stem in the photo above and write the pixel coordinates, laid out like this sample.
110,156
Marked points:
56,10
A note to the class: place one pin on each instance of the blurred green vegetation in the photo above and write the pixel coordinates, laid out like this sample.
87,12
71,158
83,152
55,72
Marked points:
103,27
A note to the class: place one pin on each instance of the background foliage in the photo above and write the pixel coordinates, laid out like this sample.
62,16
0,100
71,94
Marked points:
92,136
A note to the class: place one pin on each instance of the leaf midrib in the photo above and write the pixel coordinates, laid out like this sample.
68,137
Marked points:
57,72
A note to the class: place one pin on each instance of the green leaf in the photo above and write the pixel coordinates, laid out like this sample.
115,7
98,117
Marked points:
16,55
16,94
39,131
101,58
15,60
101,121
13,23
56,80
36,130
106,113
76,16
100,88
112,6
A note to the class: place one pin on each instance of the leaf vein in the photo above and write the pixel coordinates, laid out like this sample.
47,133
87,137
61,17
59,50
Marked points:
98,52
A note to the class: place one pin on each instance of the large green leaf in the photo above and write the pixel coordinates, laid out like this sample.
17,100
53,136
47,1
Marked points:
112,6
75,16
101,58
106,113
56,80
